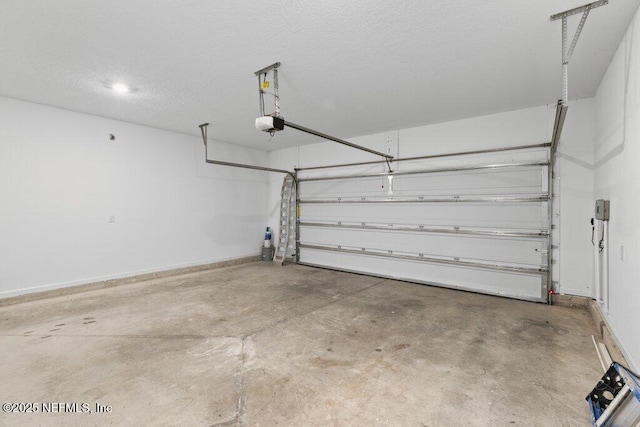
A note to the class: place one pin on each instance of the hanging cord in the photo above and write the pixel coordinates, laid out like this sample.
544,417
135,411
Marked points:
601,241
593,231
388,164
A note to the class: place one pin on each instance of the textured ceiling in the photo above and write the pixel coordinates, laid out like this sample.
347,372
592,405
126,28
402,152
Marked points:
349,68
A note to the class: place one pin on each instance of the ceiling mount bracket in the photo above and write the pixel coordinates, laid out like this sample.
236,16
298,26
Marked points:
263,84
567,51
274,122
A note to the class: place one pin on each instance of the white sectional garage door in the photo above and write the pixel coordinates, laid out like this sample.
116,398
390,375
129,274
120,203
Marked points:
477,222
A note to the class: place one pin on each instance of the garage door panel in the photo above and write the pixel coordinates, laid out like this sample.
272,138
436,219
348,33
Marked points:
534,155
496,158
467,183
521,286
469,225
529,252
525,216
504,182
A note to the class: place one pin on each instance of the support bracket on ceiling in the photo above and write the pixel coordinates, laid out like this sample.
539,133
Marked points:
203,130
276,125
263,84
567,50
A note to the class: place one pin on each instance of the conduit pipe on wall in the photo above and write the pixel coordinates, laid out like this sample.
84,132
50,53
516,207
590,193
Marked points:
601,263
596,262
605,266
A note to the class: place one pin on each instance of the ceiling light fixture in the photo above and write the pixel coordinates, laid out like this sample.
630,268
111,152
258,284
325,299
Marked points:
120,87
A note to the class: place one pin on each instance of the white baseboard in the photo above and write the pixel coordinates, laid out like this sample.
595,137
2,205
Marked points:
81,285
614,344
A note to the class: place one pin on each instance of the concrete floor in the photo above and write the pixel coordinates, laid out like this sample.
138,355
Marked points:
258,344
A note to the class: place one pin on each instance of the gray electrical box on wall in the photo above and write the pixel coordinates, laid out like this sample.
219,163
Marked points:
602,210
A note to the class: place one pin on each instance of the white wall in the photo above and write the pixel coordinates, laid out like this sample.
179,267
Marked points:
574,189
522,127
617,178
61,179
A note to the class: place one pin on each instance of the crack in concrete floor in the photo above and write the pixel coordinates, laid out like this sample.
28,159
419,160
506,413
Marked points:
307,344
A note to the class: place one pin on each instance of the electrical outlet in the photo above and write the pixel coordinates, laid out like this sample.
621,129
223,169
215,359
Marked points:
112,219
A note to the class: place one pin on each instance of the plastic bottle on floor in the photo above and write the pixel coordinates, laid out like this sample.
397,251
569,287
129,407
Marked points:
267,238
